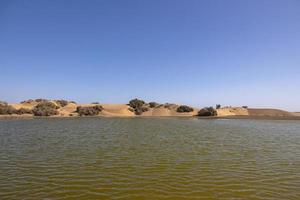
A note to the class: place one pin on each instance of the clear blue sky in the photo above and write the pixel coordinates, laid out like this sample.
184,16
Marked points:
231,52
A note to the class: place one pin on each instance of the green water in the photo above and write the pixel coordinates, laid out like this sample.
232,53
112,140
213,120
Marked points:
147,158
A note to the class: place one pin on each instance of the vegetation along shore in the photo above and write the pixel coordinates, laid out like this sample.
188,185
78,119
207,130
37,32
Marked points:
134,108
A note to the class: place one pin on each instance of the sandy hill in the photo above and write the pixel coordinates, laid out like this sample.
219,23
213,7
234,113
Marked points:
269,112
234,111
113,110
160,110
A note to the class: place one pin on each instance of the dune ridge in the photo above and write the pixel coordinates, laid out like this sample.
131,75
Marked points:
159,110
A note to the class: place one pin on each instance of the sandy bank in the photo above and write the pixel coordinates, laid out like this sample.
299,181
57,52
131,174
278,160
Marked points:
161,110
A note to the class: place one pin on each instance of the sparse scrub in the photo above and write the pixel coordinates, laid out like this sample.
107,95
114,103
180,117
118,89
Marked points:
169,105
22,111
208,111
6,109
153,104
184,108
40,100
138,106
89,111
27,101
62,103
45,108
136,103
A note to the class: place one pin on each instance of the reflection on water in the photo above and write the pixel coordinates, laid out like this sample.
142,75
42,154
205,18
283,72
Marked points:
162,158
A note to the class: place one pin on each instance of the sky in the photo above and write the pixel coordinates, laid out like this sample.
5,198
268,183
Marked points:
199,53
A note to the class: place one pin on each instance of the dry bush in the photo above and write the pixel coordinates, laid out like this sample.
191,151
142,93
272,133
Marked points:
169,105
22,111
62,103
27,101
89,111
45,108
184,108
208,111
153,104
6,109
138,106
40,100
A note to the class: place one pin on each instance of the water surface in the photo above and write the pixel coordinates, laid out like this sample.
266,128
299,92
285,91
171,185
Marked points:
149,158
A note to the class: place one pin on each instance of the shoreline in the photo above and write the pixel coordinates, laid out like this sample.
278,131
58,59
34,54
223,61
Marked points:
5,117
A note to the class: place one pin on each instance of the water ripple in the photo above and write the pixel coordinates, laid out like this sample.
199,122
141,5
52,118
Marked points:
167,158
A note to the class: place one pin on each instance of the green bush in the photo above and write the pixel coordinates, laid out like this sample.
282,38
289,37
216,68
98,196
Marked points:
184,108
45,108
136,103
22,111
153,104
208,111
138,106
89,111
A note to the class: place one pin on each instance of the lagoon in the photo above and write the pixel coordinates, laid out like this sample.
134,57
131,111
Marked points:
149,158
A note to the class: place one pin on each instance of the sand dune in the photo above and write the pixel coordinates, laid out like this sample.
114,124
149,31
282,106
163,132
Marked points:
163,110
117,110
269,112
235,111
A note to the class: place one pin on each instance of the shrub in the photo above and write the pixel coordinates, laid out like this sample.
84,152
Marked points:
89,111
153,104
218,106
27,101
73,102
169,105
131,109
96,102
245,107
6,109
22,111
40,100
184,108
45,108
138,106
208,111
62,102
136,103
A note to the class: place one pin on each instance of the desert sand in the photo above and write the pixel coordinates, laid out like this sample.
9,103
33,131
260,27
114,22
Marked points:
123,110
